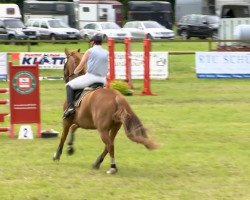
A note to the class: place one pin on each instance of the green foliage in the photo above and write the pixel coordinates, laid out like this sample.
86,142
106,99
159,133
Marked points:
121,86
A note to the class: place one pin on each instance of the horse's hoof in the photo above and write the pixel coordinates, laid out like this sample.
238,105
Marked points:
70,151
112,171
95,166
56,158
97,163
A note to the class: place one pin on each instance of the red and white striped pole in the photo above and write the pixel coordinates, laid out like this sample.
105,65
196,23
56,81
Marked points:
3,102
4,129
2,115
4,90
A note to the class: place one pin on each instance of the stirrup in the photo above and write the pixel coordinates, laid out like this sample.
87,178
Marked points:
68,112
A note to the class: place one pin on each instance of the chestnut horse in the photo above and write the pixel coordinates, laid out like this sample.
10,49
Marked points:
105,110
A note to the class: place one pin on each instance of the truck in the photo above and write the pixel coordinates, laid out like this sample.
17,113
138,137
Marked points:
10,10
159,11
77,13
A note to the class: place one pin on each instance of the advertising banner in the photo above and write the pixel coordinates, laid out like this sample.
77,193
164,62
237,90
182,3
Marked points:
222,64
3,66
24,94
55,60
46,60
158,65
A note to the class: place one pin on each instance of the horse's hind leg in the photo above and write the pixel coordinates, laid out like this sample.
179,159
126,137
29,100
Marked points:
66,126
109,148
70,149
100,158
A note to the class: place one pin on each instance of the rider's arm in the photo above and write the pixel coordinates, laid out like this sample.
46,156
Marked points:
82,63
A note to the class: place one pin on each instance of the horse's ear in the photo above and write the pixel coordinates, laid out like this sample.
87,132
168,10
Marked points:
79,50
66,51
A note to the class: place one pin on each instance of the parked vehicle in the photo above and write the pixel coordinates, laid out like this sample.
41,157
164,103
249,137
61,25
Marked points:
53,29
234,17
201,26
235,10
10,10
107,29
14,29
149,29
221,8
75,13
159,11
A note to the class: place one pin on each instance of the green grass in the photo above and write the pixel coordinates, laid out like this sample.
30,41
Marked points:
202,127
166,45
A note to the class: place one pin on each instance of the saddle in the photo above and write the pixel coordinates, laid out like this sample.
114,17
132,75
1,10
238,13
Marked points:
79,94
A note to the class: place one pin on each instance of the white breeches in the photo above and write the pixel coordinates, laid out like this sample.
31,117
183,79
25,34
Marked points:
85,80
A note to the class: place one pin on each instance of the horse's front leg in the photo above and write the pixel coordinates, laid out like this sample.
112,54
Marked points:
66,126
70,149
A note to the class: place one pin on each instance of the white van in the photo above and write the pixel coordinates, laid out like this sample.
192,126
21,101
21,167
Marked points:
10,11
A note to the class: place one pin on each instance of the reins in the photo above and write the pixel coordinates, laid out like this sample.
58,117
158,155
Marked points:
66,78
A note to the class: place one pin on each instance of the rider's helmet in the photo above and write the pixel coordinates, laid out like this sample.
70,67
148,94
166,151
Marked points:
97,39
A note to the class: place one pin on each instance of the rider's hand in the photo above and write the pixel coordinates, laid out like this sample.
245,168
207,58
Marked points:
75,72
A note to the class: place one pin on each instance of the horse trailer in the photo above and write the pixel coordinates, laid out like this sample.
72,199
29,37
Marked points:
77,13
10,11
160,11
211,7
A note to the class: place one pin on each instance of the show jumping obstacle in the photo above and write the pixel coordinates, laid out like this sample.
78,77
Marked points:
147,47
24,104
2,115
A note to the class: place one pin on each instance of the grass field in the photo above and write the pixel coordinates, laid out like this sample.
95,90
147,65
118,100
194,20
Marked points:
202,127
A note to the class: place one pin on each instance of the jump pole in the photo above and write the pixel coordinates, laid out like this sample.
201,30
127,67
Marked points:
146,86
2,115
3,90
127,42
147,47
111,47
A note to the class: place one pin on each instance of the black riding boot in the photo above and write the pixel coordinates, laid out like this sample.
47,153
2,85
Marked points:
70,99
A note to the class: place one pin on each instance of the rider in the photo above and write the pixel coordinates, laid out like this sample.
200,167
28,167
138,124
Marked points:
96,61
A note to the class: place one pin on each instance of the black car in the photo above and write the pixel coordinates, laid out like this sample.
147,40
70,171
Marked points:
201,26
14,29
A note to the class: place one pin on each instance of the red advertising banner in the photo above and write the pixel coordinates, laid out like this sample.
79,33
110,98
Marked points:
24,95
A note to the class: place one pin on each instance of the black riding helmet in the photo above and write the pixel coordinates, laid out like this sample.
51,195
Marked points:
97,39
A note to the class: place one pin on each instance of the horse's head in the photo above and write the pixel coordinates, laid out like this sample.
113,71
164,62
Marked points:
73,59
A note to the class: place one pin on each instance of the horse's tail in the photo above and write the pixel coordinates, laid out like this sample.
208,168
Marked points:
134,128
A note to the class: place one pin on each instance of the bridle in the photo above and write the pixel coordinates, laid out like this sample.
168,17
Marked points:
66,79
75,60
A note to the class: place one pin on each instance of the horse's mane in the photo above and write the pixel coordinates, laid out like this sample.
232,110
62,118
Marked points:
77,55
